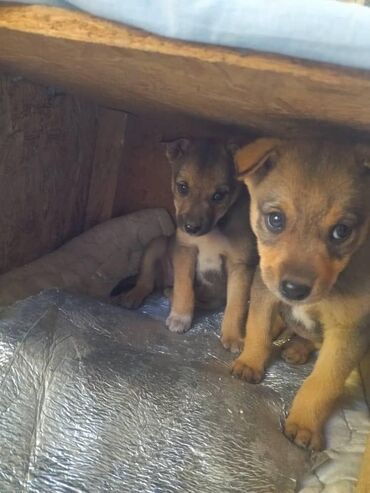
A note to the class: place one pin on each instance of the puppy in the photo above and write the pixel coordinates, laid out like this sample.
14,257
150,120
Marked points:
213,253
310,211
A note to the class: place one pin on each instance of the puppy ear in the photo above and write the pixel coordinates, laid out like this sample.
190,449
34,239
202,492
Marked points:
255,156
176,149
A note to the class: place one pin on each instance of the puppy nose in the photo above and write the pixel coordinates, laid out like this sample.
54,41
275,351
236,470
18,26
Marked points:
192,229
294,291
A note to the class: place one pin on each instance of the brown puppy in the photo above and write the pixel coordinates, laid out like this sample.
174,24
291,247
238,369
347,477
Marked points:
310,211
213,253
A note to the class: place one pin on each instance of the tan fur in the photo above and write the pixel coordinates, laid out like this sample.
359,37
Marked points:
258,342
364,478
214,265
316,185
148,275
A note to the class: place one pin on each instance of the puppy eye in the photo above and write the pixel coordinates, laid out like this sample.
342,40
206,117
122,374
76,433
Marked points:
182,188
219,196
275,222
340,232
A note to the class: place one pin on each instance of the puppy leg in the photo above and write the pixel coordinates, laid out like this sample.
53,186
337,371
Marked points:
340,352
364,478
277,326
157,249
259,333
297,350
181,315
239,281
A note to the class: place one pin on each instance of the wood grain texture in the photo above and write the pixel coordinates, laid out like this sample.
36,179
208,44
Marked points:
108,159
46,153
59,162
143,73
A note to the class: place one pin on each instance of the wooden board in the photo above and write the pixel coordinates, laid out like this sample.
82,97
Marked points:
108,160
142,73
58,168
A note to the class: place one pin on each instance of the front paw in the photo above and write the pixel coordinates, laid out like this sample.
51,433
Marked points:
304,435
178,323
247,372
297,351
231,342
132,299
295,355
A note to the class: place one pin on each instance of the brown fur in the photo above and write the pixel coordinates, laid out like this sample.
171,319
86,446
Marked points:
213,262
316,185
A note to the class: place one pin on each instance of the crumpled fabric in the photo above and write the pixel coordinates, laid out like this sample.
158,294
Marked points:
93,262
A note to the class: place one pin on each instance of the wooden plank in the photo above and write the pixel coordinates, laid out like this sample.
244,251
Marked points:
108,158
139,72
46,151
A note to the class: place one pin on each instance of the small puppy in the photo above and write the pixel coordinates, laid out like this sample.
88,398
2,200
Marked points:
310,211
213,253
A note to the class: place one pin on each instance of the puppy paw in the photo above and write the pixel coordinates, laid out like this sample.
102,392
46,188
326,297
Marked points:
297,350
303,436
231,343
295,355
178,323
242,370
132,299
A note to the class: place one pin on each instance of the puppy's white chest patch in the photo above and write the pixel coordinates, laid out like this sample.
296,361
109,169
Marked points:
300,315
208,262
210,250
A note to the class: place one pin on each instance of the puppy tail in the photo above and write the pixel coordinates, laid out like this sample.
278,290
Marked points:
149,273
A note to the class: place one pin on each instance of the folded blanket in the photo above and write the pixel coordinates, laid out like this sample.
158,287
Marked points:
93,262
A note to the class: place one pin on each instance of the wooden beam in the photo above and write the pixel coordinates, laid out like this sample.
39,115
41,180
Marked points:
140,73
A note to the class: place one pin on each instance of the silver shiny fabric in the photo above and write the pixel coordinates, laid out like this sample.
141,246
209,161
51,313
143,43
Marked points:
94,398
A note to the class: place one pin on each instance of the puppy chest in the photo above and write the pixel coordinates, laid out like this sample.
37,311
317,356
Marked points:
211,252
209,263
303,323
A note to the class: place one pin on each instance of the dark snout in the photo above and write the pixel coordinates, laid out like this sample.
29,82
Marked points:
294,291
296,284
194,225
